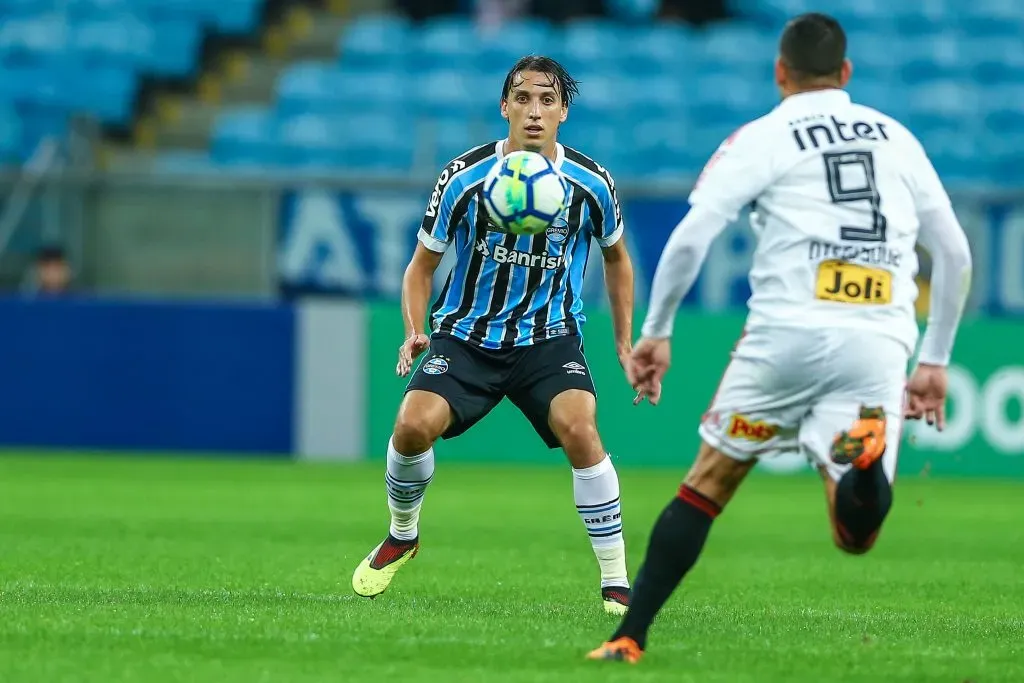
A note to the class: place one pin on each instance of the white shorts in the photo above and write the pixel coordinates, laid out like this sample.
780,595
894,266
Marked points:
791,389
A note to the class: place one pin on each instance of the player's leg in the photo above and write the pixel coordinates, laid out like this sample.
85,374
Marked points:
553,387
675,543
857,466
853,436
447,394
734,435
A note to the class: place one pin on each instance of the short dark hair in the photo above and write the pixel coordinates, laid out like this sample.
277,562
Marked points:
813,45
564,84
48,253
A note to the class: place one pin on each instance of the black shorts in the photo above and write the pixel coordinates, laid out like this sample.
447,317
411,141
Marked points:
473,380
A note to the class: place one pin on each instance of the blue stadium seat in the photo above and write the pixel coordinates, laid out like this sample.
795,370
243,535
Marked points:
454,93
325,88
931,58
1004,18
245,135
772,13
995,60
108,93
381,144
444,43
665,148
233,17
737,48
922,17
175,51
601,141
657,49
124,41
863,15
21,8
957,158
731,100
656,96
448,138
84,10
33,39
313,140
601,98
875,56
375,41
501,47
366,142
589,44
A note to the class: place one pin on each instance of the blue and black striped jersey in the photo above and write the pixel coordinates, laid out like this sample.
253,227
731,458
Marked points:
506,290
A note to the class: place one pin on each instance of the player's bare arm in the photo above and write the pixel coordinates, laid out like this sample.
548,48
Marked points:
618,278
677,270
416,288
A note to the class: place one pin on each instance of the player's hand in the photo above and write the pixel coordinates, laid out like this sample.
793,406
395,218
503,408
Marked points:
647,366
926,395
411,348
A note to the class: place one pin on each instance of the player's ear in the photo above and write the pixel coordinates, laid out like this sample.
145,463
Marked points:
845,72
780,73
504,108
565,114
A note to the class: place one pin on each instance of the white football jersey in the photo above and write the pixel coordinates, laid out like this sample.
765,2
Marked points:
835,189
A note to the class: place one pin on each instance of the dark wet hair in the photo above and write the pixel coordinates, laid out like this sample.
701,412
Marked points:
813,45
564,84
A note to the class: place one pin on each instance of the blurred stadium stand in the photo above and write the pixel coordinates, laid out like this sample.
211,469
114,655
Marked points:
376,94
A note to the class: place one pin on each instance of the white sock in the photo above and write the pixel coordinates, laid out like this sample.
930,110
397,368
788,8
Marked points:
406,480
596,490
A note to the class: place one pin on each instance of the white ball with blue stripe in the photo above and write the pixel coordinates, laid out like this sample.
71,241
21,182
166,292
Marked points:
524,193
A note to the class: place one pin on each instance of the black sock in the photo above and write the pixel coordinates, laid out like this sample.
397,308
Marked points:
863,499
676,541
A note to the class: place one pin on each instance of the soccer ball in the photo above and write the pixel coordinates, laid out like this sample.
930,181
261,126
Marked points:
524,193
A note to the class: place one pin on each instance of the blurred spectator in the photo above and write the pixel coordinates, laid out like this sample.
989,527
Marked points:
565,10
491,13
418,10
52,275
697,12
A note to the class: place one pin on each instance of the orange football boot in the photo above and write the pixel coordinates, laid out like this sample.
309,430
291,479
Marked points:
864,443
619,650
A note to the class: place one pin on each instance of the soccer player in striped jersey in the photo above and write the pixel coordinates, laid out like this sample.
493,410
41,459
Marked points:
508,323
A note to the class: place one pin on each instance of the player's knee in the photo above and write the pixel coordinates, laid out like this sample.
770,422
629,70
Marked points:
577,434
417,427
578,437
413,434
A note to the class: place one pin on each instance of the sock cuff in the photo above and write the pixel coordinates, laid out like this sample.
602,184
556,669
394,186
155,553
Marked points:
594,471
416,459
696,499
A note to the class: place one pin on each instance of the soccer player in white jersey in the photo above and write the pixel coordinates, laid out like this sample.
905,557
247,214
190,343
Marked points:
841,195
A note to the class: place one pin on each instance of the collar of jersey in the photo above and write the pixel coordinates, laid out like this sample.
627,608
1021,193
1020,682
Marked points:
559,152
816,97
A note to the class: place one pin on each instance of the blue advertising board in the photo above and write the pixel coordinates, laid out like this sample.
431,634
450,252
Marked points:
359,243
146,374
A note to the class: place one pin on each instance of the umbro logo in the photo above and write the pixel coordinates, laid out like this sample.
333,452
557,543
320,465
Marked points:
481,246
574,368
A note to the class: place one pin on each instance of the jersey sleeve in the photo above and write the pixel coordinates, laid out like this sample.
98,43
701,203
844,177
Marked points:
441,217
608,230
737,173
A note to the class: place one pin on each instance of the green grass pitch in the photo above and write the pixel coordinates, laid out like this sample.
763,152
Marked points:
117,569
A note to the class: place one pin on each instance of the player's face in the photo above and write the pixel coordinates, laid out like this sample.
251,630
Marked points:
534,109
